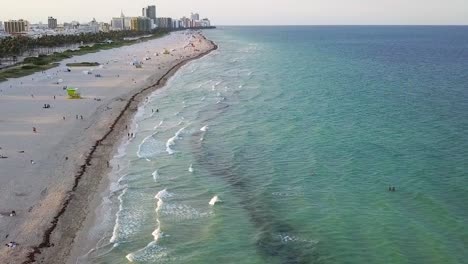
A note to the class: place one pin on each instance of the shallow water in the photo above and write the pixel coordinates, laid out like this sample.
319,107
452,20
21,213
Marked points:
299,132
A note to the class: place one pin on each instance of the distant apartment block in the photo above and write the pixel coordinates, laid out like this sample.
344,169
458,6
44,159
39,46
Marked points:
195,16
127,23
164,22
52,22
205,22
121,23
151,13
140,24
16,26
117,23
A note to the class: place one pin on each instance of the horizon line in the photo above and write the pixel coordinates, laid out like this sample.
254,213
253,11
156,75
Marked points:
328,25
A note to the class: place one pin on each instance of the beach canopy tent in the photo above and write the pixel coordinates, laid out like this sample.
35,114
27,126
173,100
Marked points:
73,93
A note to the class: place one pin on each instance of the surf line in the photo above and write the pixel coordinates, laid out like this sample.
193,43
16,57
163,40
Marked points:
46,237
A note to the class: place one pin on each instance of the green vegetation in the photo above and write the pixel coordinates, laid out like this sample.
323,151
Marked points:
15,46
24,70
83,64
43,62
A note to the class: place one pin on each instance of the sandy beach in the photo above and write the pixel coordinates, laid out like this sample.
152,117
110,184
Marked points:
54,159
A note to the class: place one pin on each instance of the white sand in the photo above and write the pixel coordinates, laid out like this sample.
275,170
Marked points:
36,190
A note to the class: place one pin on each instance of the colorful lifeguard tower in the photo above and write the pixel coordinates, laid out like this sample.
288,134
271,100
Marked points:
73,93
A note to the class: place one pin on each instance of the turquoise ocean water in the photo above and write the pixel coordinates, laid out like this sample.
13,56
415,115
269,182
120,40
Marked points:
298,133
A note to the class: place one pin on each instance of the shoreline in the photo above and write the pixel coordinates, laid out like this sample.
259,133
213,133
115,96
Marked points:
95,163
71,156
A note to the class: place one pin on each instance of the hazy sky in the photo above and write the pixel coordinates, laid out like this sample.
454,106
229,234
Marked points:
250,12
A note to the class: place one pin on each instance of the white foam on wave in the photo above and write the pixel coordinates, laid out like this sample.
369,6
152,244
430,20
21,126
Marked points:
115,232
159,197
182,212
148,140
122,150
214,200
171,142
204,129
190,169
289,238
152,251
155,175
159,125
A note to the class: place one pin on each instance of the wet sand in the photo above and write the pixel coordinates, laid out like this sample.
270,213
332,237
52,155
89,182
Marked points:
51,177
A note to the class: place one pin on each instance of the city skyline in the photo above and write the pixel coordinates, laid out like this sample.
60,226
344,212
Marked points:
243,12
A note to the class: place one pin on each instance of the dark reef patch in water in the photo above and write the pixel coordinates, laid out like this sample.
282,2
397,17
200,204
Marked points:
269,242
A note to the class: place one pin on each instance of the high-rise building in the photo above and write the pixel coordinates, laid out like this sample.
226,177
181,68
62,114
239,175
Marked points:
127,23
164,22
140,24
52,23
151,12
195,16
117,23
1,26
205,22
16,26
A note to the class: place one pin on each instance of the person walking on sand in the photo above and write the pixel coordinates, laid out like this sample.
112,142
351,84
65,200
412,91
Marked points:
34,130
